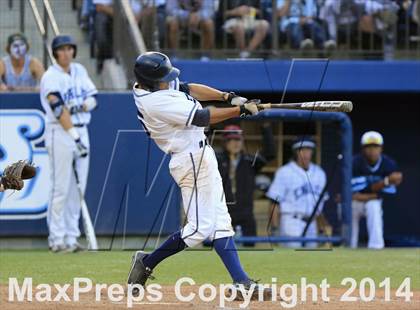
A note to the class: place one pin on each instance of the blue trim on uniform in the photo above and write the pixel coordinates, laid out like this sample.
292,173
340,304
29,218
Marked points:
140,117
196,199
358,188
190,115
376,166
392,189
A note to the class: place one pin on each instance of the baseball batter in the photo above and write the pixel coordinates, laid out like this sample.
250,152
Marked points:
172,115
375,175
67,96
295,190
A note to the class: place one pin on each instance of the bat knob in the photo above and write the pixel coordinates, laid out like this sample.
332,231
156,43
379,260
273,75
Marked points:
348,106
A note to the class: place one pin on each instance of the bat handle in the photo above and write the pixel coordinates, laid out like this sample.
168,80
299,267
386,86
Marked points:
264,106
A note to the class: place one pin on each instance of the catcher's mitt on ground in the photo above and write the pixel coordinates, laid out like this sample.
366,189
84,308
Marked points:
15,173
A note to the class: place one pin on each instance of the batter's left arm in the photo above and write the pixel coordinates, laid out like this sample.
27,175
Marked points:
206,93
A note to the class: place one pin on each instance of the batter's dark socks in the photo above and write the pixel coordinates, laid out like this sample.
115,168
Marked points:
171,246
225,248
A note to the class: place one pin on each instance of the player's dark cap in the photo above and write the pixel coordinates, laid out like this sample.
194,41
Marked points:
154,67
63,40
232,132
303,142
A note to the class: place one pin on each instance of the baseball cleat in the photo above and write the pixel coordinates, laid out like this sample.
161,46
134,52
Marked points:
257,290
57,248
138,272
74,248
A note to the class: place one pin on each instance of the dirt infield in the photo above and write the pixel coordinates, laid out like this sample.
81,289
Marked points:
169,301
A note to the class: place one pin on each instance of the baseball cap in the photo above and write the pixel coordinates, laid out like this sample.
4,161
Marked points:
372,138
232,132
16,37
303,142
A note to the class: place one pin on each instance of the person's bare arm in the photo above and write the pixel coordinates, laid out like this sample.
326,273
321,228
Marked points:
206,93
3,87
37,69
218,115
364,196
106,9
65,117
273,216
284,10
238,11
212,115
394,178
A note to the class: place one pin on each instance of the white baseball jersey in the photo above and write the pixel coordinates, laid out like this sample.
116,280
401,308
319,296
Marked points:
166,115
298,190
74,88
64,205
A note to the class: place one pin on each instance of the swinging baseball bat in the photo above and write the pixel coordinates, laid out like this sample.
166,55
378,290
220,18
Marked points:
323,106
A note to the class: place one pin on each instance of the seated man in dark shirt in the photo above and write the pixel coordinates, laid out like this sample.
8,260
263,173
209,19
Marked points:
238,170
374,176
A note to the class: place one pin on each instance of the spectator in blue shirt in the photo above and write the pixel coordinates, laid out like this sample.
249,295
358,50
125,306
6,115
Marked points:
298,18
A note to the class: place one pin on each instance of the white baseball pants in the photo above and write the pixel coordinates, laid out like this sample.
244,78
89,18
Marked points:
64,204
372,209
198,177
293,227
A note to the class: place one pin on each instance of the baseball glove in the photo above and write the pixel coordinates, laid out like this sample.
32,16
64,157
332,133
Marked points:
15,173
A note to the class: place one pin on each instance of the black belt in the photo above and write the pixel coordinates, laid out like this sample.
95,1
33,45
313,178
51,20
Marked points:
202,143
79,125
303,218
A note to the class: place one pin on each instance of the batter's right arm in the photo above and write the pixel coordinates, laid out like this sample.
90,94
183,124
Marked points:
210,116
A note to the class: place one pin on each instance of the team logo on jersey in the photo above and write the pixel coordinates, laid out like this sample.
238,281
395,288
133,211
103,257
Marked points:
307,189
22,138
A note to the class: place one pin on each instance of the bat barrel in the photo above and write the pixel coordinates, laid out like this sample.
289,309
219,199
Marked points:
322,106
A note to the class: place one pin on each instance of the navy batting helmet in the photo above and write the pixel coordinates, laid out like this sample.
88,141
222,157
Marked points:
62,40
152,68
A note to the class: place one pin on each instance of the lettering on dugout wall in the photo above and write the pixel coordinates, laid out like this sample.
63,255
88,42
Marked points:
21,137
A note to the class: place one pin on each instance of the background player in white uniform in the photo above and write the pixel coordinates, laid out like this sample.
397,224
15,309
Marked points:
67,96
375,175
295,190
175,120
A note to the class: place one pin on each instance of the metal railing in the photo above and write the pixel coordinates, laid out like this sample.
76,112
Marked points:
399,37
42,25
128,40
